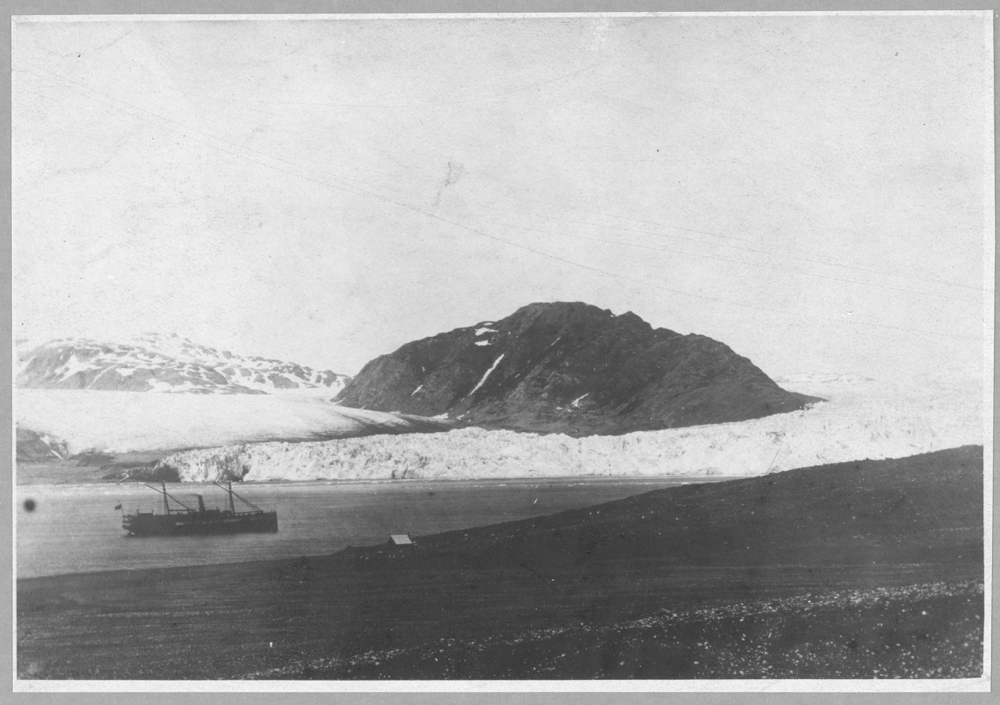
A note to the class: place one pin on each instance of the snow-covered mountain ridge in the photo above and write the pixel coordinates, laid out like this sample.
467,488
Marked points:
164,363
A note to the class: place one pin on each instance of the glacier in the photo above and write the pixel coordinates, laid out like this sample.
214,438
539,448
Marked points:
123,422
861,418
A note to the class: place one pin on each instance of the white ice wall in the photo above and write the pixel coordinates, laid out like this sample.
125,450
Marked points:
862,419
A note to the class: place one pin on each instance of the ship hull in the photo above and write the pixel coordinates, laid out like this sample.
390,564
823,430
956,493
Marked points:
195,525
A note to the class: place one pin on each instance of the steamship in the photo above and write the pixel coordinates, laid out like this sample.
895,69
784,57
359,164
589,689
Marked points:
183,520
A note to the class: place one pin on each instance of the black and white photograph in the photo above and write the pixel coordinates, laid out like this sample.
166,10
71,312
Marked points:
567,351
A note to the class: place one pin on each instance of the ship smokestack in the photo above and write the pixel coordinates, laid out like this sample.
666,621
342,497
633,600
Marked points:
201,503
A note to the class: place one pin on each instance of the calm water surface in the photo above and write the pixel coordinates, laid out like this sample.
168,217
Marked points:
75,528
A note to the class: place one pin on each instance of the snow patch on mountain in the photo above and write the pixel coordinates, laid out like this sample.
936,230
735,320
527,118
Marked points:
863,419
485,376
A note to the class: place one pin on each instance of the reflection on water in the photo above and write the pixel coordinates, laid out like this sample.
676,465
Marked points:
75,528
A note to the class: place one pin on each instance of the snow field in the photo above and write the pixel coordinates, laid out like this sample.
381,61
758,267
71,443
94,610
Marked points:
120,422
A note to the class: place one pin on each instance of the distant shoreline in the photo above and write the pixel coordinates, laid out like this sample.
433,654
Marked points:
548,479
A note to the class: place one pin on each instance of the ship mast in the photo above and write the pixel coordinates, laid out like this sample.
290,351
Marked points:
245,501
166,504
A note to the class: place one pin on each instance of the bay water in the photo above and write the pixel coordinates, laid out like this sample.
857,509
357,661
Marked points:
76,528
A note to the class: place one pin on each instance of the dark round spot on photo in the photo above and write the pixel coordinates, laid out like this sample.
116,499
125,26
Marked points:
29,505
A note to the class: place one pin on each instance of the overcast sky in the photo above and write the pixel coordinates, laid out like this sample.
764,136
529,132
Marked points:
811,190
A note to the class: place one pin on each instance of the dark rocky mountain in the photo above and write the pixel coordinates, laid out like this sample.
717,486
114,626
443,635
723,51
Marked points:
570,368
163,363
33,446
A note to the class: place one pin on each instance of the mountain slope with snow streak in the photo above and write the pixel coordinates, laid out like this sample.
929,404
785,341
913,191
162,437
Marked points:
570,368
164,363
863,419
120,422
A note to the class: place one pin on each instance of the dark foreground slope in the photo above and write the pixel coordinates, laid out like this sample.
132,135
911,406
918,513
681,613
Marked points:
570,368
867,569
